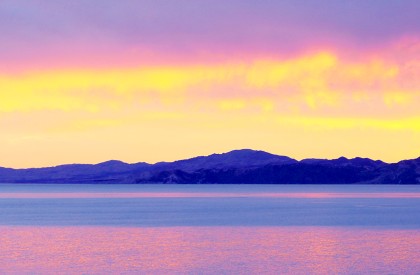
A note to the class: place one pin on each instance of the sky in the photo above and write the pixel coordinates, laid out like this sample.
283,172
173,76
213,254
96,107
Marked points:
161,80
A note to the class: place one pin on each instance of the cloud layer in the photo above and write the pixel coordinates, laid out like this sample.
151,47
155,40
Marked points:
154,80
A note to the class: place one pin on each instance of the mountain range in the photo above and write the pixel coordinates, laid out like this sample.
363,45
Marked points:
244,166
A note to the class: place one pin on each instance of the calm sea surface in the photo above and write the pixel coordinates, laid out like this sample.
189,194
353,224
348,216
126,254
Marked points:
209,229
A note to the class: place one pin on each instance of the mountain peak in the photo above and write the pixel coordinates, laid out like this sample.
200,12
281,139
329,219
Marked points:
246,153
112,163
236,158
342,158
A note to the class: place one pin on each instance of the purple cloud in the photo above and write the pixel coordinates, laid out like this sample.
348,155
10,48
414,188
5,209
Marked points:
37,27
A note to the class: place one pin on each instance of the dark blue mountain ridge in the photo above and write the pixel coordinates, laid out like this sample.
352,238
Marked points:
244,166
235,158
343,161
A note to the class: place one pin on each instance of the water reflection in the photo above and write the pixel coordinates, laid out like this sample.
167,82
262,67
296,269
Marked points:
120,195
208,250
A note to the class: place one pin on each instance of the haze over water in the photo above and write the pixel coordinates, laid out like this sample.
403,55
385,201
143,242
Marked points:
209,229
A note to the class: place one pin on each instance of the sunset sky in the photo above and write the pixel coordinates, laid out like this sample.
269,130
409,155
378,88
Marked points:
160,80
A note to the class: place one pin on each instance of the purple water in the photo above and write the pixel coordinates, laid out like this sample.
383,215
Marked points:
258,229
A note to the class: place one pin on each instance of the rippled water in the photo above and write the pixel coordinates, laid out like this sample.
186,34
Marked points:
211,250
97,229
